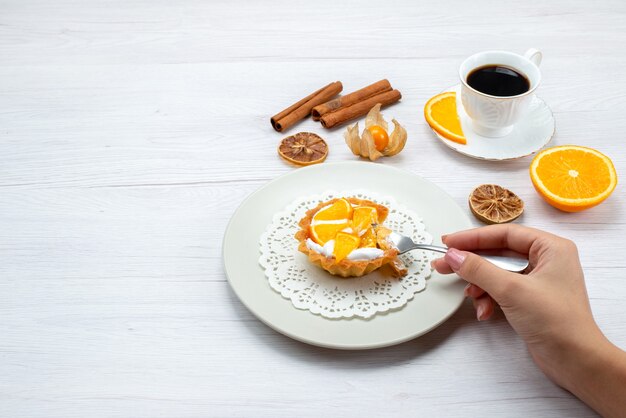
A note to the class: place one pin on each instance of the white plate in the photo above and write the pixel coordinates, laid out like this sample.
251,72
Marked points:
443,294
530,134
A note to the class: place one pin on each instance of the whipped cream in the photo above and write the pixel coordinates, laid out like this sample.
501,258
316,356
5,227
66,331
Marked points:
356,254
326,250
365,254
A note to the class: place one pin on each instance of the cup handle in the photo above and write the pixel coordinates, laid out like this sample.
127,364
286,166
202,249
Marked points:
534,56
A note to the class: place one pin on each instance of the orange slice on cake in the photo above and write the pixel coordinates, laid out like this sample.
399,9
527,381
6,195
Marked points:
344,244
573,178
440,113
362,219
368,239
339,209
324,232
329,220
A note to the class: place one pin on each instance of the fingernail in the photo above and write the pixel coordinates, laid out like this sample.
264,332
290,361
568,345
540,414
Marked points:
480,311
454,258
444,237
432,264
466,291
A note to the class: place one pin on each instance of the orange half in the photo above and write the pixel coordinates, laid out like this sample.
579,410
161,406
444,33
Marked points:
440,113
573,178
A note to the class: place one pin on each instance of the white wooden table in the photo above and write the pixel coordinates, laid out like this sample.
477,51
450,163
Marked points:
130,132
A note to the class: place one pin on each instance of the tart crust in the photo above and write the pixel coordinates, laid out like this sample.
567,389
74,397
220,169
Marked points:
350,268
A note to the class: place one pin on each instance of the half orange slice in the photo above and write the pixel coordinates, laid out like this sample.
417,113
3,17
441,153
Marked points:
440,113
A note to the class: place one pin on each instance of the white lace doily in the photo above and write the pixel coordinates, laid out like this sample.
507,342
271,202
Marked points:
310,287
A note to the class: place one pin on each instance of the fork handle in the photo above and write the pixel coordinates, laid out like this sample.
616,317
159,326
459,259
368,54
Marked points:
513,264
435,248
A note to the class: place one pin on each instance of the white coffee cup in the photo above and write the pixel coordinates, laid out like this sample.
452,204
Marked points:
495,116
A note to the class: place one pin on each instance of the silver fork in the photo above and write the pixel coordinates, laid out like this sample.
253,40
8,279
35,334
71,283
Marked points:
404,244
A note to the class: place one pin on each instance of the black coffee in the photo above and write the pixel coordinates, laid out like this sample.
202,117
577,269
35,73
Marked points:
498,80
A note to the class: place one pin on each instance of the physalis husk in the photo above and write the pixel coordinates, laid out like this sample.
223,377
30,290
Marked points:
376,127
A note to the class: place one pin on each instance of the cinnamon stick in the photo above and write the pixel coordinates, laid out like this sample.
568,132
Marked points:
302,108
345,114
350,99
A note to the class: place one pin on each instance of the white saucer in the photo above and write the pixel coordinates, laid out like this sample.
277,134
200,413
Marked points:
529,135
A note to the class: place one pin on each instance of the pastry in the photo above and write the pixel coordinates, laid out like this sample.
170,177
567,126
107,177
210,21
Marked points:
344,236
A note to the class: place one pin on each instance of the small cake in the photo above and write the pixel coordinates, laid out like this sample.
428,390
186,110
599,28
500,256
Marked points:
344,236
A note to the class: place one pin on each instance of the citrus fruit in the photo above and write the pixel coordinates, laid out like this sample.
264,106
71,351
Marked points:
324,232
329,220
494,204
440,113
363,217
344,244
303,148
380,136
368,239
573,178
339,209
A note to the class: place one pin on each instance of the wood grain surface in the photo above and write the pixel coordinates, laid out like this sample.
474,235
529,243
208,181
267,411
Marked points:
131,130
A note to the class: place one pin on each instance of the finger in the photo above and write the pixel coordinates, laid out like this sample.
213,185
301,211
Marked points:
474,291
441,266
471,290
481,272
515,237
485,307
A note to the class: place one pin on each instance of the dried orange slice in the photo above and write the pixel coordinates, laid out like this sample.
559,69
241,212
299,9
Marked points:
344,244
303,148
494,204
363,217
573,178
440,113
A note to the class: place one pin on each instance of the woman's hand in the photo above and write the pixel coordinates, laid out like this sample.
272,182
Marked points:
548,306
